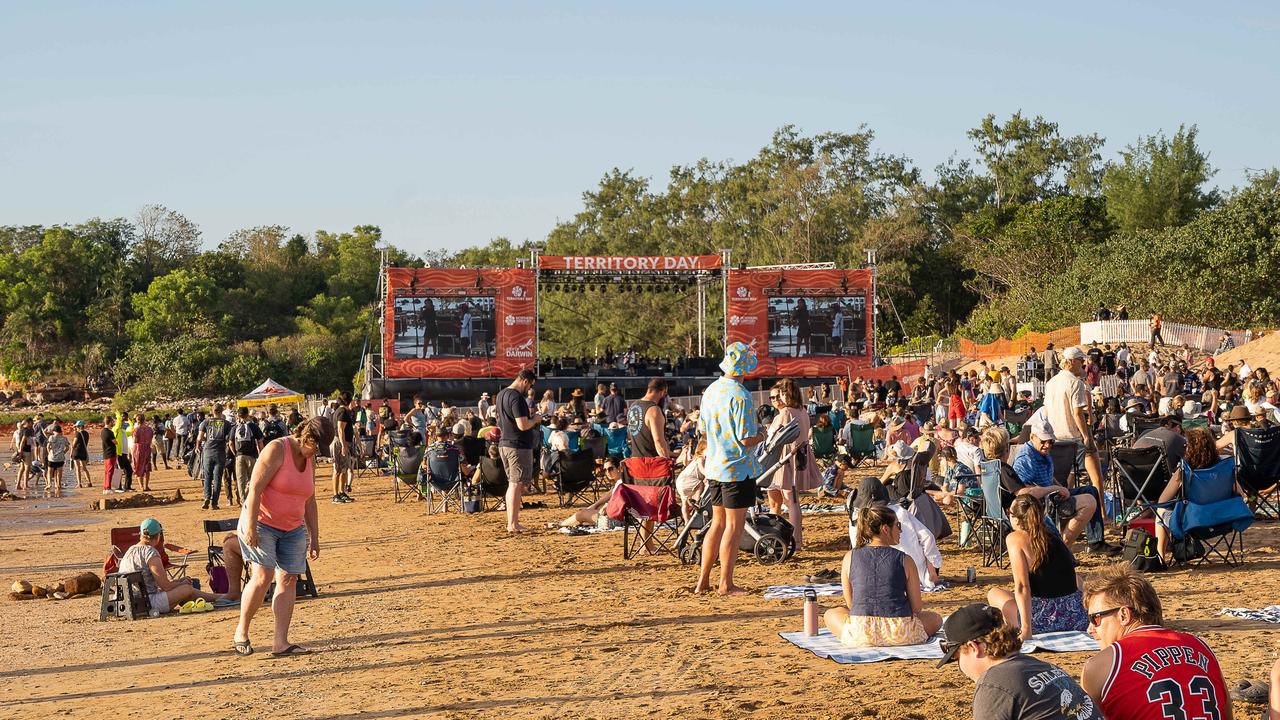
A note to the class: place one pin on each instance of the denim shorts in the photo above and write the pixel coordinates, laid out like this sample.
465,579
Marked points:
278,549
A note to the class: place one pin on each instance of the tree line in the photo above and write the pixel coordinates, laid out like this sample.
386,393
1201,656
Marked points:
1031,234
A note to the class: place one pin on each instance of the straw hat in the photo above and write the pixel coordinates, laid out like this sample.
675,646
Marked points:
577,392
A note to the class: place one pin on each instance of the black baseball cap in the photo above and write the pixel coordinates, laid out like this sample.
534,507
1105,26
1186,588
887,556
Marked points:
968,623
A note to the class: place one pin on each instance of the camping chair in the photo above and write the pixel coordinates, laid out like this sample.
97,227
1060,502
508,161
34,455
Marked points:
1210,511
648,471
444,478
575,440
824,445
1141,474
213,529
617,442
597,444
1064,454
861,445
576,480
993,526
406,461
1258,469
123,537
633,506
367,457
493,484
472,449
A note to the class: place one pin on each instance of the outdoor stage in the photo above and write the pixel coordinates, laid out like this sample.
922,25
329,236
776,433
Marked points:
453,333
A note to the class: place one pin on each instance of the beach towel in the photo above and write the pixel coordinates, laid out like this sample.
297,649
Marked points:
814,509
1270,614
789,592
825,645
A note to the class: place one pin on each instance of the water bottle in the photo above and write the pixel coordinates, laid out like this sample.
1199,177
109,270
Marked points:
810,612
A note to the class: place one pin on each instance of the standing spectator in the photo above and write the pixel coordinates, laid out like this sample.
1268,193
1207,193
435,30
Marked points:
518,427
109,457
211,440
727,418
1050,361
601,393
248,443
615,407
80,455
181,425
278,522
1156,337
143,435
341,451
58,448
122,430
484,406
1066,402
1145,671
160,439
646,422
800,474
1011,686
1122,313
274,427
24,448
40,439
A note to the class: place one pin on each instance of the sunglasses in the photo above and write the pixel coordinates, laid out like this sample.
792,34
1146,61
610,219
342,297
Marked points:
774,396
1096,618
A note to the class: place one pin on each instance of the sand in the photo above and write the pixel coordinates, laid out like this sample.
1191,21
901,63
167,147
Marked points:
1261,353
447,616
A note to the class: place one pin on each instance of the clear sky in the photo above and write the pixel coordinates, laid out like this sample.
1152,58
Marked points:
448,125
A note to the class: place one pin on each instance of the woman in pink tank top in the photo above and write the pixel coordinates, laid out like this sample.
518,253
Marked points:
277,523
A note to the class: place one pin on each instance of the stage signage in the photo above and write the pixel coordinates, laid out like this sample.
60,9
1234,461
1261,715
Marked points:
447,323
629,263
802,323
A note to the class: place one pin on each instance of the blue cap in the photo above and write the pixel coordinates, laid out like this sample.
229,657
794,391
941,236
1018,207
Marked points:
151,527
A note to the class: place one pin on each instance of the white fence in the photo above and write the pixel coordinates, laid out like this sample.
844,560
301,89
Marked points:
1177,334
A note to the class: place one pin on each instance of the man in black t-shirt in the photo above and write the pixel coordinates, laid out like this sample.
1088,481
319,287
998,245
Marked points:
212,439
1095,354
1010,685
1108,360
344,418
518,426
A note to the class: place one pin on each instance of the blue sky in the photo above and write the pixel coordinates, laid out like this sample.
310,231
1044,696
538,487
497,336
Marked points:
448,125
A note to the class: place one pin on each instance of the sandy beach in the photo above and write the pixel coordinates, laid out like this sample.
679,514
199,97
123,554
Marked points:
448,616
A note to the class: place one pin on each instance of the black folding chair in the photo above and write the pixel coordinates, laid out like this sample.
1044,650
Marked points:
493,484
1258,469
993,526
215,528
1141,476
406,462
443,479
366,457
576,480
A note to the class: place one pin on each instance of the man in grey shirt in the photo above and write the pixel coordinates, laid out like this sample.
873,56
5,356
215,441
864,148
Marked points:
1011,686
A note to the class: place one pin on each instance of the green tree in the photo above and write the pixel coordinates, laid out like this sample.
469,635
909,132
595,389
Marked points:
172,305
1159,182
1030,160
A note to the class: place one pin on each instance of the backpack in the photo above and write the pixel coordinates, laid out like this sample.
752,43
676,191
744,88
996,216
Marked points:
244,433
274,429
1140,551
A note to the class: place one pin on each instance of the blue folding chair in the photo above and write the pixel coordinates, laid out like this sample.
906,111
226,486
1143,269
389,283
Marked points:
993,525
618,445
1211,513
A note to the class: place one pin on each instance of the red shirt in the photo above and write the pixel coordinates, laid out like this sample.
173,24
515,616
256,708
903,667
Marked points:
1158,674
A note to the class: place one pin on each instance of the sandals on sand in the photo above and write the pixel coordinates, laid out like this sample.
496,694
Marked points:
1251,692
291,650
242,647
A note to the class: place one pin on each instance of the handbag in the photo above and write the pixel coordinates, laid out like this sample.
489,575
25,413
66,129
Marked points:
1187,548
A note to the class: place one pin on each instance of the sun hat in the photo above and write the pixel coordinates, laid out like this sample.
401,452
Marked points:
577,392
484,396
968,623
902,451
79,423
1240,413
1040,425
739,359
150,527
1134,403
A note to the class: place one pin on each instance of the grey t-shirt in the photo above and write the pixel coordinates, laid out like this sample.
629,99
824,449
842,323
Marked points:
1024,688
135,559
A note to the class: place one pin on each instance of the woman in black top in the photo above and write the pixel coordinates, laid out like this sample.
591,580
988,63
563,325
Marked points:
1046,594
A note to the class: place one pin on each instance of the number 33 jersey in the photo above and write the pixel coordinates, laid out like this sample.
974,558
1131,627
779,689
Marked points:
1160,674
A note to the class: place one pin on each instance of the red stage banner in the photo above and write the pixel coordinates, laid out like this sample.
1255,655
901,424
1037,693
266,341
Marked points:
802,323
629,263
445,323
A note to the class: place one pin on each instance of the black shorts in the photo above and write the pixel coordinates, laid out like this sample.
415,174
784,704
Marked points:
733,495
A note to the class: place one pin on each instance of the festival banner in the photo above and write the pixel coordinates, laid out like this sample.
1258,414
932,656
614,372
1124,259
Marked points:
629,263
447,323
802,323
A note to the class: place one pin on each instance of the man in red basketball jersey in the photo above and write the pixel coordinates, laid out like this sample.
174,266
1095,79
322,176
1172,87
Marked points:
1145,671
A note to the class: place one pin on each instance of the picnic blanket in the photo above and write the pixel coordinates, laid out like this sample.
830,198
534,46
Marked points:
787,592
815,509
1270,614
592,529
825,645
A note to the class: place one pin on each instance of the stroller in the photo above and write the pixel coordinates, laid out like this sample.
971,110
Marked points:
768,537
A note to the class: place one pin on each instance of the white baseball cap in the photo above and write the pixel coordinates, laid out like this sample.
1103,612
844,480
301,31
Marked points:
1073,353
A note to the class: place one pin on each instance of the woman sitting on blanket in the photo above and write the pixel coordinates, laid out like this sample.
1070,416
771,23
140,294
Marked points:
1046,591
881,589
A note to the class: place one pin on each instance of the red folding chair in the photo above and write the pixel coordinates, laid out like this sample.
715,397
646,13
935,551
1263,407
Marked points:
636,505
122,538
648,471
